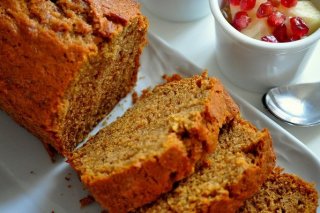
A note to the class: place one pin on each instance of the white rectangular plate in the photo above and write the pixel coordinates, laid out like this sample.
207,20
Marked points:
30,182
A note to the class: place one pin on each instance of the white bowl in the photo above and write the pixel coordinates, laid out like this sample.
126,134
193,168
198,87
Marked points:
178,10
257,65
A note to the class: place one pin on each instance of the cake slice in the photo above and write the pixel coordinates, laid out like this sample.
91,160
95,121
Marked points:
155,143
243,160
283,192
64,65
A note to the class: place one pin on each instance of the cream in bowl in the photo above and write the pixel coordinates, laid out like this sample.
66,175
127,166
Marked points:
245,57
273,20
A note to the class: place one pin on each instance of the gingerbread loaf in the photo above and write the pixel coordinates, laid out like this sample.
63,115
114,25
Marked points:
243,160
156,143
65,64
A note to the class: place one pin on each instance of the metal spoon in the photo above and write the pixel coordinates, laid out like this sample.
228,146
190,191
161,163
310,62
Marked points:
295,104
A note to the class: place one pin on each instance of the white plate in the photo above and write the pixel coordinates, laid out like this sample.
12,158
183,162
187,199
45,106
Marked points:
30,182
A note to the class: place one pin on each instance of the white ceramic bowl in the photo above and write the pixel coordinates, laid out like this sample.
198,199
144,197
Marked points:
257,65
178,10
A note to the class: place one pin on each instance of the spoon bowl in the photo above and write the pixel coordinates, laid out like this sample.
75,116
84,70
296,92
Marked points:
295,104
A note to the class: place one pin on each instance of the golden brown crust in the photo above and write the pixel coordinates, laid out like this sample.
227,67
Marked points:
109,15
174,77
30,86
44,47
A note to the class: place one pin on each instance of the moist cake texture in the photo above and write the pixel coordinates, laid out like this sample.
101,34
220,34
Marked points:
157,142
283,192
65,64
234,172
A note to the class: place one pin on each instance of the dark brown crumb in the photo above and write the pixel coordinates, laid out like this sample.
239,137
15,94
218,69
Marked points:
52,211
134,97
145,92
142,77
206,163
68,177
121,106
69,186
86,201
174,77
32,172
104,123
51,152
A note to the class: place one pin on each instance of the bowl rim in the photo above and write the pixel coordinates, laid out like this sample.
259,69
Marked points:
254,43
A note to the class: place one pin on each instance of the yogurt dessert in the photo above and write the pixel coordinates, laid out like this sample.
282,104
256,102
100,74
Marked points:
273,20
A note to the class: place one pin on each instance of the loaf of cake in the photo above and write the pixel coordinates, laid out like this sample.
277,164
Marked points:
283,192
243,160
156,143
65,64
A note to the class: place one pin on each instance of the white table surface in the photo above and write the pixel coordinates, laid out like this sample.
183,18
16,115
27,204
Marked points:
196,41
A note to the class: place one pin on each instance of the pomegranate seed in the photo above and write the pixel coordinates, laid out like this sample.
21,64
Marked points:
264,10
298,27
269,38
281,34
276,19
241,20
274,3
289,3
294,38
235,2
247,4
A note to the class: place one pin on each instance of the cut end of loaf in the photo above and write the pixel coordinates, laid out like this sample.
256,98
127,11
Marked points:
156,143
104,80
